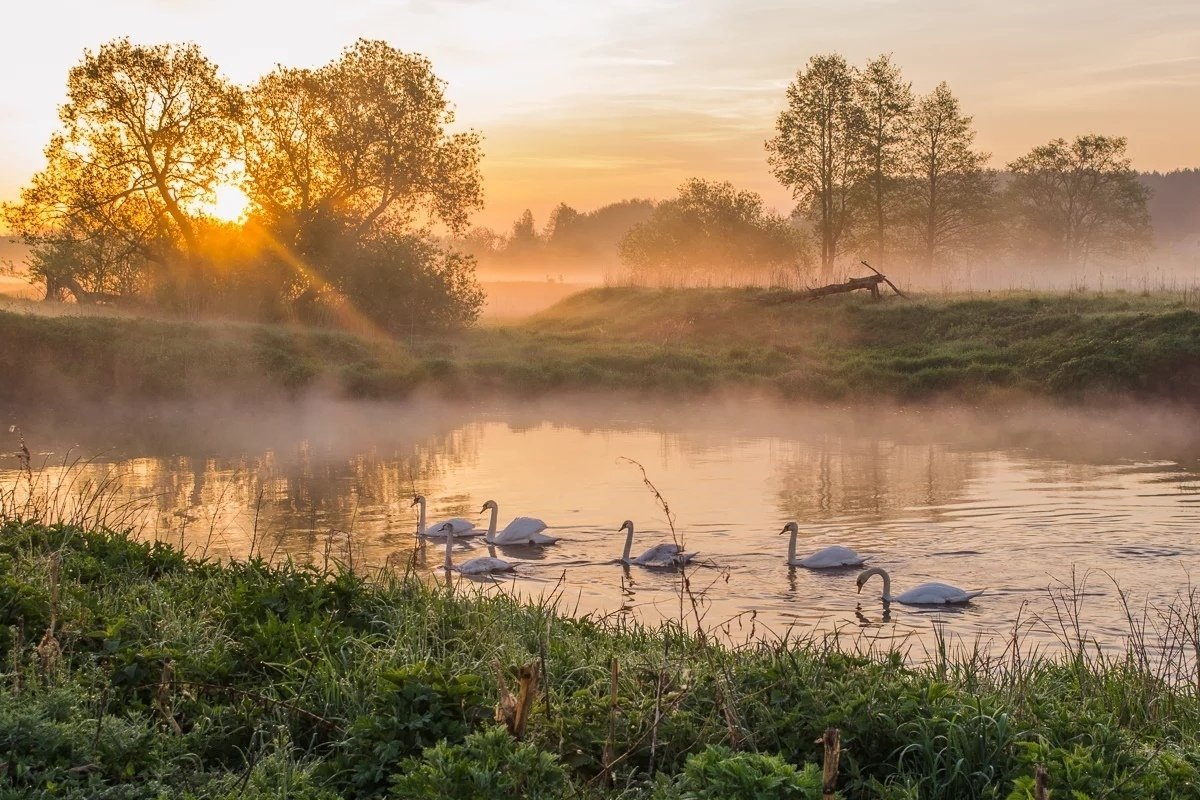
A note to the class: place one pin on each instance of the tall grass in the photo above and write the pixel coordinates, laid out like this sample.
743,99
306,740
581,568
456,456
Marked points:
171,675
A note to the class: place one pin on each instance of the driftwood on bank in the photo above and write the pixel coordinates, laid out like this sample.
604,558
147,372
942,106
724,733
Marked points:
513,712
870,283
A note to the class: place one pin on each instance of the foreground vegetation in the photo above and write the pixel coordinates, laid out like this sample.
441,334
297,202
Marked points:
655,340
129,670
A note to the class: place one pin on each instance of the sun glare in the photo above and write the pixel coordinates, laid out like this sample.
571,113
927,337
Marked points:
230,204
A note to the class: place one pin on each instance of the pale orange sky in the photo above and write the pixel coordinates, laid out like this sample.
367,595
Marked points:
594,102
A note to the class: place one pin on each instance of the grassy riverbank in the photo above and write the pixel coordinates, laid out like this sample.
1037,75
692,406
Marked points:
658,341
131,671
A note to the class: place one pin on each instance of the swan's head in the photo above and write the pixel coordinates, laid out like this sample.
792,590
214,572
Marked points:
448,529
627,525
417,500
790,527
490,505
864,576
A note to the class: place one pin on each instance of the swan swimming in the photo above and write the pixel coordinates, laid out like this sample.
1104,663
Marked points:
460,527
664,554
927,594
522,530
827,558
483,565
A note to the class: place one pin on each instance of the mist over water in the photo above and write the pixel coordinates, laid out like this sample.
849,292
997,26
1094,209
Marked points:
1017,500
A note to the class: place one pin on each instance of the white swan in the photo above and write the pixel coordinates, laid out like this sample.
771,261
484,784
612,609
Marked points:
826,558
460,527
522,530
483,565
664,554
927,594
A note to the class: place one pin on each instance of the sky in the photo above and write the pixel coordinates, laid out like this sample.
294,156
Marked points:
592,102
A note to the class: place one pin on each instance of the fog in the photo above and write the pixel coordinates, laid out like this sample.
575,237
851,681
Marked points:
1017,499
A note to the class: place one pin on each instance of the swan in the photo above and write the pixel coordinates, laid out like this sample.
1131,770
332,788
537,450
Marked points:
927,594
664,554
459,526
827,558
483,565
522,530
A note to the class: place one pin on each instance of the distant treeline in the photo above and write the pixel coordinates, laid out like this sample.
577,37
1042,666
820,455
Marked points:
877,171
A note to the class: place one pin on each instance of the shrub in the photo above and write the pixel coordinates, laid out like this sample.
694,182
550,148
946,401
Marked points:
489,764
718,773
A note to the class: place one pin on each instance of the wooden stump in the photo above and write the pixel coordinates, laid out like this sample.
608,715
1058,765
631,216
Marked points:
832,740
514,712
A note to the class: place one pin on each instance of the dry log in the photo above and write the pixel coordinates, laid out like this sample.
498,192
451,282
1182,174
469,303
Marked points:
870,283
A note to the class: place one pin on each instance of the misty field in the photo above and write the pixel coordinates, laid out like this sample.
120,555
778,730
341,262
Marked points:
655,341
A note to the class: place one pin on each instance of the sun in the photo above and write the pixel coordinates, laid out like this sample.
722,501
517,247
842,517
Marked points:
229,204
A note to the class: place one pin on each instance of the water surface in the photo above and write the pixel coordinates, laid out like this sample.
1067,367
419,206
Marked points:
1030,503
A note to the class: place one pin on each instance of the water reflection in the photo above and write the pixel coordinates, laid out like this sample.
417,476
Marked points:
971,498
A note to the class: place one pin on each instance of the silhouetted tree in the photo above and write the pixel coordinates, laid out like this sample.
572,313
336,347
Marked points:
356,156
887,104
819,150
524,239
359,145
147,136
1078,200
712,230
950,192
560,224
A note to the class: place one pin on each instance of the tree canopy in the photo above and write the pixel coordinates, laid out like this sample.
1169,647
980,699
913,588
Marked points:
341,164
1079,200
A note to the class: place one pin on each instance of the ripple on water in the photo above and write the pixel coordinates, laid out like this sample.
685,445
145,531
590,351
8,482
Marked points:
925,503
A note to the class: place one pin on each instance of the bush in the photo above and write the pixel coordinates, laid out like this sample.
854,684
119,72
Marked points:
718,773
489,764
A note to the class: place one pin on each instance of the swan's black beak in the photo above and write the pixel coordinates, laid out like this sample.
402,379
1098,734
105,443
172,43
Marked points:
414,502
860,588
782,532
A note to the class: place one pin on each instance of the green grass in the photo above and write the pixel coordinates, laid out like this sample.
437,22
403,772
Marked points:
131,671
650,340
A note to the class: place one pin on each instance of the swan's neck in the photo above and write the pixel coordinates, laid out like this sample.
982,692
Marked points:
449,544
628,545
792,546
887,581
491,534
421,517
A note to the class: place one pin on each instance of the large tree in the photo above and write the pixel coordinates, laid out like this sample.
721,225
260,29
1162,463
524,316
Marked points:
1078,200
712,231
357,147
147,136
887,102
818,150
950,189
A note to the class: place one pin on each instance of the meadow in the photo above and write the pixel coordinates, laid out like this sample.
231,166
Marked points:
653,341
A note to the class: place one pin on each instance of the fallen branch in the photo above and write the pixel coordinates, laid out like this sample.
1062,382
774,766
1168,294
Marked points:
870,283
895,288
